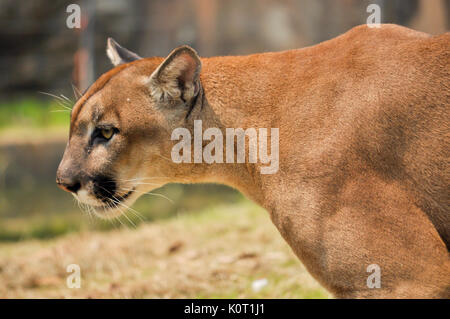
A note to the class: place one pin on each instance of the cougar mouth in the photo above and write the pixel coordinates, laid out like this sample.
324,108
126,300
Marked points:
112,207
112,202
118,198
105,188
126,195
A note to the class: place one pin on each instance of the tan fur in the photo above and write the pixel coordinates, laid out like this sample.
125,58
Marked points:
364,147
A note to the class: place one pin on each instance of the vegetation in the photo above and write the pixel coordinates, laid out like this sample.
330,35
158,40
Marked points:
212,253
49,212
33,113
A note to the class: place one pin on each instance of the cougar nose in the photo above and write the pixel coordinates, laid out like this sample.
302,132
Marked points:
68,185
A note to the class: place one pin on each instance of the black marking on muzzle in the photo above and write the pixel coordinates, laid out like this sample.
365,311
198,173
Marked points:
105,188
125,196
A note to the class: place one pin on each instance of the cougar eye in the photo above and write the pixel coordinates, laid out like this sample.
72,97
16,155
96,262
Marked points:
103,134
107,133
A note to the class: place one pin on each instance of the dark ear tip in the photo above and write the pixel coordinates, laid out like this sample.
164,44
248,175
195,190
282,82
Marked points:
119,55
111,42
186,49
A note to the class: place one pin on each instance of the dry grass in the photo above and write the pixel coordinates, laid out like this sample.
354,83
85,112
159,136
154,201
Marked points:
216,253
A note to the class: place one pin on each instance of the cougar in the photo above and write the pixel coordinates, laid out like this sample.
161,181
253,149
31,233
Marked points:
363,122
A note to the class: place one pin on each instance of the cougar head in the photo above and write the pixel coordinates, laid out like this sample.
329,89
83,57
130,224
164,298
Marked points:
120,129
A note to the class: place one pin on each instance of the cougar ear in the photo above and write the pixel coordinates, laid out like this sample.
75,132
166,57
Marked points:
119,55
177,78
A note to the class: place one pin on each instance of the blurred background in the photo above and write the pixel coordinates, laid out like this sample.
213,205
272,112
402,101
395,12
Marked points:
43,62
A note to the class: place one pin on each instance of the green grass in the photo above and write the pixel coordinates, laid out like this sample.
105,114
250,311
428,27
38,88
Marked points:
221,250
53,213
40,228
33,113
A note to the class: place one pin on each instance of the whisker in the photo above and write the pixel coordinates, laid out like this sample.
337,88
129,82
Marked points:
140,178
140,183
163,196
138,214
60,100
110,220
52,95
90,212
183,180
64,106
76,92
116,201
66,98
124,214
118,218
150,193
